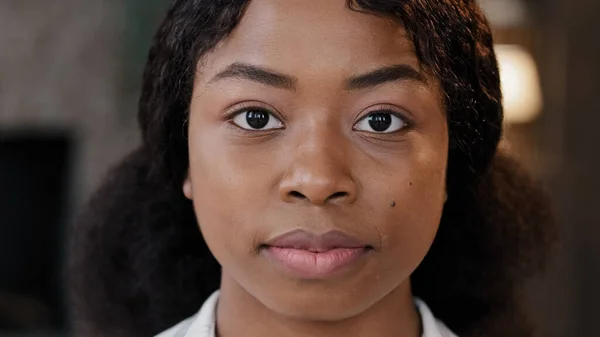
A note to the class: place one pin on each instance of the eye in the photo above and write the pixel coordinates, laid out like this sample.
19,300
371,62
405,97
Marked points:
256,119
380,122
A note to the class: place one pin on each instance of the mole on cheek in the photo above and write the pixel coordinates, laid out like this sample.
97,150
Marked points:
393,203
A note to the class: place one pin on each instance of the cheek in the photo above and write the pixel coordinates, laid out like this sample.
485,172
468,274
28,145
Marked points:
407,230
228,194
412,225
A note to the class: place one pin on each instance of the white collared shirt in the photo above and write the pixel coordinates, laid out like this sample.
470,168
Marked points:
203,323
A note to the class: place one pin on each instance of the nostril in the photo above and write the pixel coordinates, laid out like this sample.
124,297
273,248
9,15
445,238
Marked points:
316,198
338,195
297,195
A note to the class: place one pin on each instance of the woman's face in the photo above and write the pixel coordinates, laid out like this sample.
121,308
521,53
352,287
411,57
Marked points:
318,150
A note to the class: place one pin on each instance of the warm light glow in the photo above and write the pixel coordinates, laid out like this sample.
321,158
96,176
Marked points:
520,84
505,13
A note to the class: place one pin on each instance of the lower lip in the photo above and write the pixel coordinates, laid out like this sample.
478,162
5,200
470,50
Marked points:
312,265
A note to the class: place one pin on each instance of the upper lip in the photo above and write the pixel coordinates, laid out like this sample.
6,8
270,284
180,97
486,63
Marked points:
302,239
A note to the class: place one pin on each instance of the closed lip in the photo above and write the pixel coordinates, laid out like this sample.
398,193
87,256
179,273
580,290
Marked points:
306,255
305,240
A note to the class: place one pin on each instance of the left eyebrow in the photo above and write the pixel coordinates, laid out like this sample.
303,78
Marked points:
394,73
257,74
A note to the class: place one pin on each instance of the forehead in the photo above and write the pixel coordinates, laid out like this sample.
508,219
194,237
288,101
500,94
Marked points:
311,36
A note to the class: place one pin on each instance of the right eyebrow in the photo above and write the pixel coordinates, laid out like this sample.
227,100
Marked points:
399,72
256,74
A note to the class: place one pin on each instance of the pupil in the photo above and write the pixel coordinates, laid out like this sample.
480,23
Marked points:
257,119
380,121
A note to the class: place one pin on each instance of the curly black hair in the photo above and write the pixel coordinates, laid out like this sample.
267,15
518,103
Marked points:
138,263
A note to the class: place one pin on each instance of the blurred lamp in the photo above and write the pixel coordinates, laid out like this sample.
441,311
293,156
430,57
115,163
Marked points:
522,97
505,13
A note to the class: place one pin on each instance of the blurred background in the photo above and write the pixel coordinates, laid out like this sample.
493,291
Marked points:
70,73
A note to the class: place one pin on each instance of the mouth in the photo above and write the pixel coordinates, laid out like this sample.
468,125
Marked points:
309,256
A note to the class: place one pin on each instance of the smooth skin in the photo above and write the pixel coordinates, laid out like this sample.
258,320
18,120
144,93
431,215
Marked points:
318,71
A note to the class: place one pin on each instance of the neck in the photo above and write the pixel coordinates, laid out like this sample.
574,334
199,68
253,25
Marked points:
241,314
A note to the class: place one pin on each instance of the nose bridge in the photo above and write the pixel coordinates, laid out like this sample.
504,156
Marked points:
319,171
322,147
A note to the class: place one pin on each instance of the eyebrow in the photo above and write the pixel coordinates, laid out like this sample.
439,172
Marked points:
394,73
399,72
257,74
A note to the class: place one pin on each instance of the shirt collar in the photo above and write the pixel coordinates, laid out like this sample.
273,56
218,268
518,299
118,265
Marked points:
203,324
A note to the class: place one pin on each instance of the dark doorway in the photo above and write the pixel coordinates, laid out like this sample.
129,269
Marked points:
34,172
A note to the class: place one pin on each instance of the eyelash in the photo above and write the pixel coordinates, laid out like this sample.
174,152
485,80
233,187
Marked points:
240,108
231,113
385,109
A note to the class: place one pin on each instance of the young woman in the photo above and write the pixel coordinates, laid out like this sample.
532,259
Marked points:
330,166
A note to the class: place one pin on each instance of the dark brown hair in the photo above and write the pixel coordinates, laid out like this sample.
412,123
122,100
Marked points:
139,264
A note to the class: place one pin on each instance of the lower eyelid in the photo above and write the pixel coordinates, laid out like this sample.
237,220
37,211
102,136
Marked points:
247,133
380,139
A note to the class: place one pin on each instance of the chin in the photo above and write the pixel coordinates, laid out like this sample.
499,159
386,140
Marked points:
320,304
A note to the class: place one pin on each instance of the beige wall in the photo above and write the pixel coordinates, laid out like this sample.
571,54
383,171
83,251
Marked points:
59,71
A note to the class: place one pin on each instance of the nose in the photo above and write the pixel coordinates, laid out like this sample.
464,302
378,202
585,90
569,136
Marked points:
319,175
